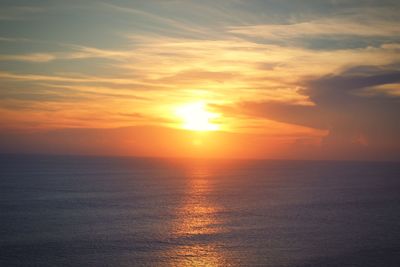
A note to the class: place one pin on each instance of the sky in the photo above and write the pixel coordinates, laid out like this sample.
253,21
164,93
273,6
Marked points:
300,79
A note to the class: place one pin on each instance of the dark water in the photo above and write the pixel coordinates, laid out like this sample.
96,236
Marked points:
82,211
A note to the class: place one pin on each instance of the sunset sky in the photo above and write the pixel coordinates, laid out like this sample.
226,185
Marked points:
212,78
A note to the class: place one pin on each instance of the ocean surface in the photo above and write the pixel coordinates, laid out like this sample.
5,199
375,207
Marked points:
99,211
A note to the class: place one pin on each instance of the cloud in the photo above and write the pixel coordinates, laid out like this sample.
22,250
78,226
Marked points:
19,12
34,57
222,52
78,52
84,52
166,24
353,118
77,78
324,27
11,39
165,72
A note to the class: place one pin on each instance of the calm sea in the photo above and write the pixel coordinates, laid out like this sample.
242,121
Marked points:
97,211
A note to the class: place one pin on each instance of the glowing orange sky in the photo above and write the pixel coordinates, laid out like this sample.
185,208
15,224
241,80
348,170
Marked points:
269,80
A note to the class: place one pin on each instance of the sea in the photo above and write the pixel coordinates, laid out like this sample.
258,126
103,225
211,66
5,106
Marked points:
121,211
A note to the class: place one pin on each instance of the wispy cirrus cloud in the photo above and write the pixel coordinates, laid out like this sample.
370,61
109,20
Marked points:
271,65
166,24
76,78
321,27
75,52
34,57
12,39
181,67
19,12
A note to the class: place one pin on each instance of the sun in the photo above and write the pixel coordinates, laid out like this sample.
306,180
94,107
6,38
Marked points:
196,117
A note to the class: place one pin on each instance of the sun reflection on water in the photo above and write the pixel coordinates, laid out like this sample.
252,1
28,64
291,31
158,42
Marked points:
197,225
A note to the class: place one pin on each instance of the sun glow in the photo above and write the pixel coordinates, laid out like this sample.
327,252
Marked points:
196,117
